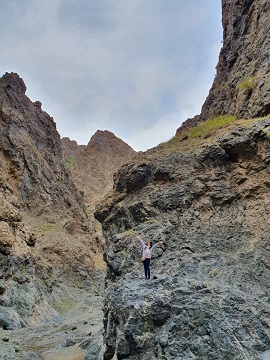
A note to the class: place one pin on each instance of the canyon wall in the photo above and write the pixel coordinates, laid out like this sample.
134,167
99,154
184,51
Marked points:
46,237
209,293
242,84
207,199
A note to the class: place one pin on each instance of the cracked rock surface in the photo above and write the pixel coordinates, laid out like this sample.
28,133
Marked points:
210,295
241,86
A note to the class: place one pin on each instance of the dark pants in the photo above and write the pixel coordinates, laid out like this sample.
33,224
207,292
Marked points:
146,265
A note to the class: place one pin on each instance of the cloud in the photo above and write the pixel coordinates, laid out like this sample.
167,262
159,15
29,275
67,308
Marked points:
124,66
91,15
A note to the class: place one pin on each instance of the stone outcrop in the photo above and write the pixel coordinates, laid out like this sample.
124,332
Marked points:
209,203
242,84
92,166
209,293
210,206
45,236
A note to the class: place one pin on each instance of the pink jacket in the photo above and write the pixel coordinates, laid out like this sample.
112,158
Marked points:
149,255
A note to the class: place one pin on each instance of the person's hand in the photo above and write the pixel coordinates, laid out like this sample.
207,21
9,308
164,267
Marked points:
138,238
161,242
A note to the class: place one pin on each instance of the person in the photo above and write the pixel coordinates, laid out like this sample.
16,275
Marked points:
147,250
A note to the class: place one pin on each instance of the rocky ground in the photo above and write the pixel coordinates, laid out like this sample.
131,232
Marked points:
210,205
76,333
208,200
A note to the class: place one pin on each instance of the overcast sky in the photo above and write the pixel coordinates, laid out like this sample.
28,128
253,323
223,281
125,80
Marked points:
138,68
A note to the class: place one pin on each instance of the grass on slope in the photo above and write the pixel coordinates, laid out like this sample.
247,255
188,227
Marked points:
203,133
206,128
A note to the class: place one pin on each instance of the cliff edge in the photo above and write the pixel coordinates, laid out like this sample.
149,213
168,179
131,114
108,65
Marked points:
241,87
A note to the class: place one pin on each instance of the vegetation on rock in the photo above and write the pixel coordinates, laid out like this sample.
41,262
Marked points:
210,208
69,163
247,84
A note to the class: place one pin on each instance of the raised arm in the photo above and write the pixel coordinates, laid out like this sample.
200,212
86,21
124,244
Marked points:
142,242
158,243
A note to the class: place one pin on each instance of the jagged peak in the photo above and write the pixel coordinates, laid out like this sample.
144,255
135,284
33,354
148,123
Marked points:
14,82
106,136
102,134
67,140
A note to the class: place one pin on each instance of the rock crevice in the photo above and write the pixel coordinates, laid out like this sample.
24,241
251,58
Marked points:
208,299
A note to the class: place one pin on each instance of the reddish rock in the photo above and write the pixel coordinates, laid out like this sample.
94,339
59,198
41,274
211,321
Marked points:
92,166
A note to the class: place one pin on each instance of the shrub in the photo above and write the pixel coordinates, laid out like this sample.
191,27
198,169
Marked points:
69,163
87,210
247,84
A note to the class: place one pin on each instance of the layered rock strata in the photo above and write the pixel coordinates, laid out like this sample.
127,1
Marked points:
92,166
209,293
242,83
45,237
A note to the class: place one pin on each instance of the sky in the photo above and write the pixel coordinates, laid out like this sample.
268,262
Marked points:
137,68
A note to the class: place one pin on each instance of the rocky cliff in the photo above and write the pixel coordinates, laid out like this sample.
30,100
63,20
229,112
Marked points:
92,166
242,84
205,194
46,241
209,293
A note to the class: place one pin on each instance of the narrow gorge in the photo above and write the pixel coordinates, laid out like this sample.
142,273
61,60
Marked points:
72,283
52,268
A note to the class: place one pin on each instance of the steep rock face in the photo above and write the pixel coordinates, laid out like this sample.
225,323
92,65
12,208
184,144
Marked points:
242,83
92,166
44,233
31,152
210,297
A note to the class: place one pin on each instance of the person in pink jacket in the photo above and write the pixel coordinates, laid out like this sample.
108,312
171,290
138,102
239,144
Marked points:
147,250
